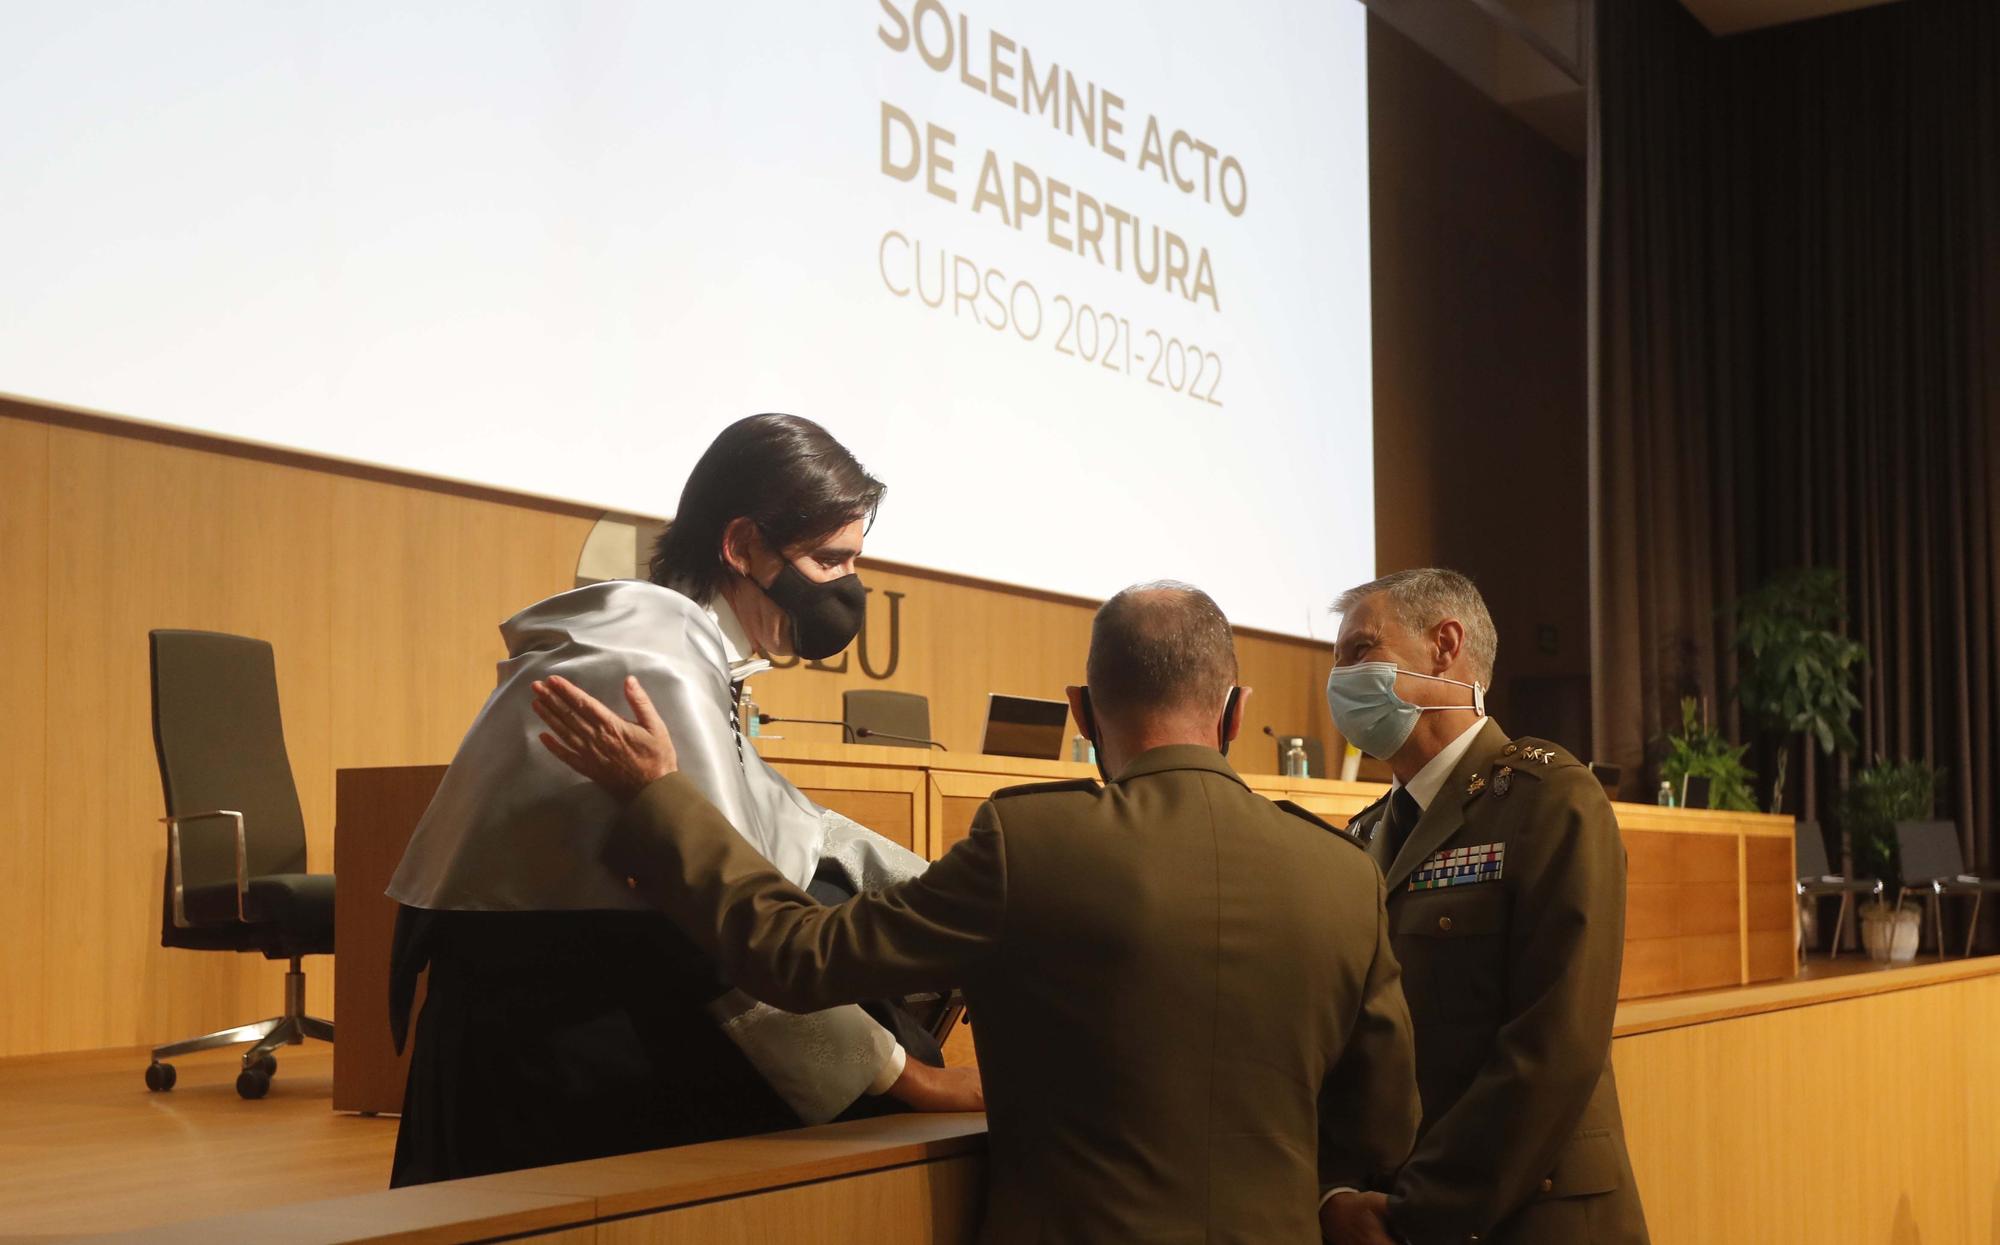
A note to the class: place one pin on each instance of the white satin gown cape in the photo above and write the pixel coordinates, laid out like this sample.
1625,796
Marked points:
513,829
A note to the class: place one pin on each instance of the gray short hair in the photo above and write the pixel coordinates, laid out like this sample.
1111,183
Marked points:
1160,645
1428,595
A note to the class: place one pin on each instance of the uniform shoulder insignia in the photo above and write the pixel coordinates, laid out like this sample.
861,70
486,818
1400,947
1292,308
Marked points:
1045,788
1535,756
1319,822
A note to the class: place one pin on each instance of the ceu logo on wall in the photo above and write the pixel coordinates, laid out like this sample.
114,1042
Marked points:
619,544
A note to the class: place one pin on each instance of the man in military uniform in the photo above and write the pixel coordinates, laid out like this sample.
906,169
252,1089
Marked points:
1183,992
1506,883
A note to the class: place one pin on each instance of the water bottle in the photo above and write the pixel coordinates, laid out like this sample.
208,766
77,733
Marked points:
1666,794
1079,749
1295,760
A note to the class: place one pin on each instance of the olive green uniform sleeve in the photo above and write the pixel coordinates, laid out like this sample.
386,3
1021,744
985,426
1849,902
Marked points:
1369,1108
778,944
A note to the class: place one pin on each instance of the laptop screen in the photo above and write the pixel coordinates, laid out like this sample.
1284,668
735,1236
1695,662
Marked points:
1023,726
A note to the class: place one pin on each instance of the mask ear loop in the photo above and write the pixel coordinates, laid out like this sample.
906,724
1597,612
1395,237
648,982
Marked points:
1478,693
1088,724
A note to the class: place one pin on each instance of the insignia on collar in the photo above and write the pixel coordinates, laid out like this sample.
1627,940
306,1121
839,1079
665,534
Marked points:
1477,785
1461,866
1541,755
1503,782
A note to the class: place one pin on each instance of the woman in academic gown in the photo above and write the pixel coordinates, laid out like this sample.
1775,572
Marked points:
562,1019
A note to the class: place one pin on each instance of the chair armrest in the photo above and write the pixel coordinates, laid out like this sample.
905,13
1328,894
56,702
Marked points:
173,825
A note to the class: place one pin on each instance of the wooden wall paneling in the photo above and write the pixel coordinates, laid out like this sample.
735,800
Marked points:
421,582
442,1213
376,811
25,985
936,1202
1287,679
1867,1119
145,535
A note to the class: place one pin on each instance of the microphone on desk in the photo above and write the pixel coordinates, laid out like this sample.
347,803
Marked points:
867,732
768,719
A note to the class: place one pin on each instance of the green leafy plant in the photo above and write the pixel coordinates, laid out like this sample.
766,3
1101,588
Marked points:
1700,750
1875,800
1799,668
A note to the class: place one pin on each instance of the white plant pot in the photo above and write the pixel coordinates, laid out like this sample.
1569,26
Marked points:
1889,934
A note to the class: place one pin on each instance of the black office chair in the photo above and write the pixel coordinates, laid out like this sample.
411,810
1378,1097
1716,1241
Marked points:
236,875
1934,867
1816,877
1315,754
895,719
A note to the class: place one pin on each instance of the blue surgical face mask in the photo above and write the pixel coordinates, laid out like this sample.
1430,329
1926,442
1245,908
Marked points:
1367,710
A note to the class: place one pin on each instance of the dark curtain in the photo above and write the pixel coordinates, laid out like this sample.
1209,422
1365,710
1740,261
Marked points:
1796,273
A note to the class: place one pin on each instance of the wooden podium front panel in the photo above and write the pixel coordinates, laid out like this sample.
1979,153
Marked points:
1681,917
891,802
1707,899
954,799
375,812
1770,909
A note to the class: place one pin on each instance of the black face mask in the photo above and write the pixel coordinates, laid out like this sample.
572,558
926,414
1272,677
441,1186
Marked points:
825,617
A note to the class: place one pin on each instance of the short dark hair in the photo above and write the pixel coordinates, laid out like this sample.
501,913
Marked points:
1160,645
785,474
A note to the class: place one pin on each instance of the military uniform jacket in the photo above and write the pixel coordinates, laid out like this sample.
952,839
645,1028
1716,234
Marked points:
1186,1008
1507,912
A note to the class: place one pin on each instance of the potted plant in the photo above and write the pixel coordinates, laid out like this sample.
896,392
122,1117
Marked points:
1700,750
1875,800
1798,666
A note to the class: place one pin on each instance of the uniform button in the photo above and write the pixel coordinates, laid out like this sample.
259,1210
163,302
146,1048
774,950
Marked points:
1548,1186
1509,750
1444,923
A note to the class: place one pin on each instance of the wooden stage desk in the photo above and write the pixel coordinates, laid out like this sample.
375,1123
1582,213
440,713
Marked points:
1709,894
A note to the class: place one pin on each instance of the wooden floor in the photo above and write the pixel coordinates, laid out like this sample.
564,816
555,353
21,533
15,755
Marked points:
85,1148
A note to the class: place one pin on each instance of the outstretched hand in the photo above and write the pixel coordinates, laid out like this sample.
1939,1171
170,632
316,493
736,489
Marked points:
924,1088
620,756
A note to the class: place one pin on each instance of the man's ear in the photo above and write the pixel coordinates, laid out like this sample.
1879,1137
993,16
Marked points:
1449,645
1232,724
740,541
1079,711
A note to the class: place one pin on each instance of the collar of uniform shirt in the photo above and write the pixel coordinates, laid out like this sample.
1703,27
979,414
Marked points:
1430,779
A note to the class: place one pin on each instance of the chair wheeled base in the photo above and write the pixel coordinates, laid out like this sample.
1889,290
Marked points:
265,1036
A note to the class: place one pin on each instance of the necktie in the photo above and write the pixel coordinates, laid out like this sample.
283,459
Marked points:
1401,818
